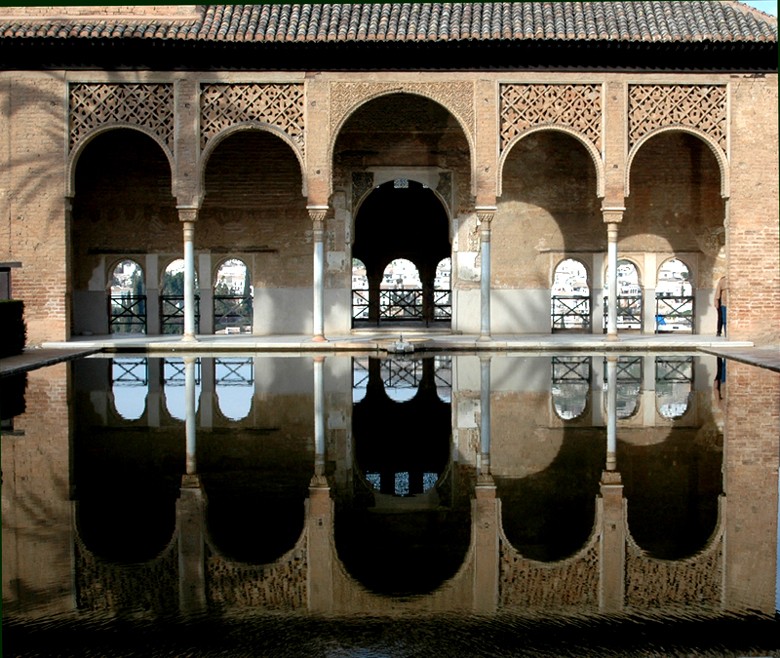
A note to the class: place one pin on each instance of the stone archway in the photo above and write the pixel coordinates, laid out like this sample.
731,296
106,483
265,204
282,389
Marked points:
401,219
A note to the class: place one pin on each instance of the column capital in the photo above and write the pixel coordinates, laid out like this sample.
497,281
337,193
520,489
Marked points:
485,214
187,213
612,214
317,213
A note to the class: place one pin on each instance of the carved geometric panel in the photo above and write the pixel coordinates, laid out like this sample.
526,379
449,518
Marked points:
456,97
532,105
96,104
695,106
225,105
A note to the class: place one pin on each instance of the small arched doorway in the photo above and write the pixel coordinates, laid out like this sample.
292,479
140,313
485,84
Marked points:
127,299
401,240
674,302
232,298
570,308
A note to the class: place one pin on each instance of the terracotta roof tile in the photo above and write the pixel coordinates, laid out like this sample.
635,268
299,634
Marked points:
648,21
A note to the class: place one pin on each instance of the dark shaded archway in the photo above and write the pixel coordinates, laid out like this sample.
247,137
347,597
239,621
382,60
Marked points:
401,219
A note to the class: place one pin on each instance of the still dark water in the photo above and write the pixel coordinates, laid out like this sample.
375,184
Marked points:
356,506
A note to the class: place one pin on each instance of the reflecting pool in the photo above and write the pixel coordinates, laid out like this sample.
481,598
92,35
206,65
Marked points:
371,505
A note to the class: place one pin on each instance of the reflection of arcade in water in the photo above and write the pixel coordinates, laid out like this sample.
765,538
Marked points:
470,483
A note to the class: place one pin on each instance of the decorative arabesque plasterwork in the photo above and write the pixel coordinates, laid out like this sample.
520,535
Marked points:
456,97
702,107
149,106
573,106
279,105
362,182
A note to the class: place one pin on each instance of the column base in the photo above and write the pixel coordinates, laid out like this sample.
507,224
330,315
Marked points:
613,337
189,338
319,338
484,337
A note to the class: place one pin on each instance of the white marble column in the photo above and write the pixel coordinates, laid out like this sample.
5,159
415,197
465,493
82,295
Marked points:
612,217
188,217
317,215
485,216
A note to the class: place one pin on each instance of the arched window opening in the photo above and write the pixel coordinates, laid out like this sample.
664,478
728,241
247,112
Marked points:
629,296
443,376
232,298
674,302
570,385
359,290
127,299
234,386
172,299
442,291
570,297
129,386
400,292
174,387
673,385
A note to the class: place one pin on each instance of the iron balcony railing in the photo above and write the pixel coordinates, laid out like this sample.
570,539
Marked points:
629,311
127,314
402,305
570,312
232,313
172,314
674,313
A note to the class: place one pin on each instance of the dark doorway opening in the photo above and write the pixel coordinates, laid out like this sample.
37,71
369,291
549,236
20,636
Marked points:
402,219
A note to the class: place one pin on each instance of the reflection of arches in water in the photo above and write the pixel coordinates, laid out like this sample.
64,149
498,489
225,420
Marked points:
628,385
550,515
125,487
570,385
417,537
672,489
234,386
174,389
256,481
126,528
129,386
673,385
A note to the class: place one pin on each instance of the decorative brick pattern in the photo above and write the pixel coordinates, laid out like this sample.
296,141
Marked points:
702,107
146,105
279,105
576,106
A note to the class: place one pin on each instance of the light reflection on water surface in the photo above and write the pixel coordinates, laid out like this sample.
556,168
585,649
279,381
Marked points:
430,505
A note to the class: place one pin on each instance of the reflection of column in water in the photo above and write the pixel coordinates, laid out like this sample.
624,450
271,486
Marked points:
319,417
189,418
611,413
483,461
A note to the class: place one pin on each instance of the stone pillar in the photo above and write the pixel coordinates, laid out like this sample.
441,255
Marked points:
152,285
486,546
485,216
317,215
319,526
206,294
649,285
612,217
188,217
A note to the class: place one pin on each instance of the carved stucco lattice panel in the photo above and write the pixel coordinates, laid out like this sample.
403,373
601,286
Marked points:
702,107
457,97
146,105
225,105
575,106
